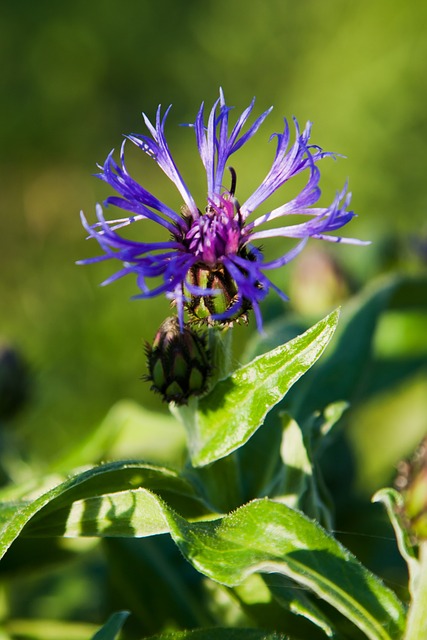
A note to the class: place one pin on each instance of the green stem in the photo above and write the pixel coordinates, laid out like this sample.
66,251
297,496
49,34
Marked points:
220,347
416,628
220,359
225,474
221,481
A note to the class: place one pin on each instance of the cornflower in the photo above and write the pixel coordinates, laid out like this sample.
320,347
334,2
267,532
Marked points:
209,264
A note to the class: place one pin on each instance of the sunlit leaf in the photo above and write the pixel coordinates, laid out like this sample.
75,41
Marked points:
131,513
296,472
236,407
262,536
91,485
268,536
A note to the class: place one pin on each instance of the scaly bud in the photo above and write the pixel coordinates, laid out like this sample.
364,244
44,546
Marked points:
178,362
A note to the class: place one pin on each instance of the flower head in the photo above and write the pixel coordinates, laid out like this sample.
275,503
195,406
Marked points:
209,264
178,362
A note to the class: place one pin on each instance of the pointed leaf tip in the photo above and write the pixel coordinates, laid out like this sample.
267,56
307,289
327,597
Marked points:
237,406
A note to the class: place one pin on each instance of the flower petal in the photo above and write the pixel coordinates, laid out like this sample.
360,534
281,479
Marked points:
158,149
287,164
214,143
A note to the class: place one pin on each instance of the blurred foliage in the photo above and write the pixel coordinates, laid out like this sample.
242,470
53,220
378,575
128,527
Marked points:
75,77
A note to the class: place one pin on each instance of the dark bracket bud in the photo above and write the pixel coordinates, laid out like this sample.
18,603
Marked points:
178,362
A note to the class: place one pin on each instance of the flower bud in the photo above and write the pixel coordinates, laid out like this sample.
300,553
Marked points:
224,294
178,362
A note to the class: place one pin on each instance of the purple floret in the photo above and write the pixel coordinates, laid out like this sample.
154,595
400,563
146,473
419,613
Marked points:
208,252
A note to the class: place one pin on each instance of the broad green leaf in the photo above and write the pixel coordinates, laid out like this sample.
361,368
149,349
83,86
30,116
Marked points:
230,414
266,536
133,513
112,627
92,484
278,331
262,536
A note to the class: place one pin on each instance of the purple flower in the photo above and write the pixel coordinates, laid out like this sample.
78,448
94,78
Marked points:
208,263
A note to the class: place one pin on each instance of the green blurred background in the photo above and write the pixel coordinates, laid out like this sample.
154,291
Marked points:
76,76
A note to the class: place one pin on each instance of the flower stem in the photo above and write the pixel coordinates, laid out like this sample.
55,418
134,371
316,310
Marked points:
416,628
220,360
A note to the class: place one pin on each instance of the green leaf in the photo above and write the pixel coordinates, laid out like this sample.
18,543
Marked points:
262,536
230,414
125,478
112,627
133,513
267,536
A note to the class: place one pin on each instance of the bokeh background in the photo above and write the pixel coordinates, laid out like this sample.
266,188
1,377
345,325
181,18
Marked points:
76,76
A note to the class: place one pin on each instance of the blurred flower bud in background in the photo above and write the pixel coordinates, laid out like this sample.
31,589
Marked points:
14,381
412,482
318,283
